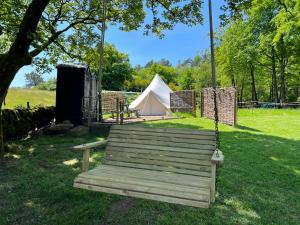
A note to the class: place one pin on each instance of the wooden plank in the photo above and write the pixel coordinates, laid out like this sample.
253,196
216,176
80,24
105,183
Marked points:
138,181
159,168
161,143
155,158
91,145
164,134
206,168
142,187
162,138
165,153
165,130
164,148
145,172
200,187
144,195
153,176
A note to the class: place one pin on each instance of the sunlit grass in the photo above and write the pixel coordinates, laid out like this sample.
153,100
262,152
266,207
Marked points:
20,97
258,184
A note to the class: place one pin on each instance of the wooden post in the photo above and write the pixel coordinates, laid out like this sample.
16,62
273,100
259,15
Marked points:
128,112
201,103
194,103
117,110
235,109
90,110
28,105
85,148
213,183
122,112
85,160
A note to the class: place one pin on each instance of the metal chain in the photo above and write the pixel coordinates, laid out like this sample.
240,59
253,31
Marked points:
216,121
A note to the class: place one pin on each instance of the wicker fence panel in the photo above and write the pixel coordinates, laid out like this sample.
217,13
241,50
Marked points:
109,100
183,101
226,103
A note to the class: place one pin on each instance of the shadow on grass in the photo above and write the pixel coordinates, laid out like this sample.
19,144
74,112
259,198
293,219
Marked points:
258,184
241,127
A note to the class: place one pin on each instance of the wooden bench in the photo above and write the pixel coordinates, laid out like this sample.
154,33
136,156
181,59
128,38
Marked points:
170,165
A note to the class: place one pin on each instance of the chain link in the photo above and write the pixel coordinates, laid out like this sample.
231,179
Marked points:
216,121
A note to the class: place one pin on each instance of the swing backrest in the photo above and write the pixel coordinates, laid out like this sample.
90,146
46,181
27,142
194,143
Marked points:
181,151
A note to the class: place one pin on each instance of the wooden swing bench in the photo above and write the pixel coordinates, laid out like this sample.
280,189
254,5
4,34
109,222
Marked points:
170,165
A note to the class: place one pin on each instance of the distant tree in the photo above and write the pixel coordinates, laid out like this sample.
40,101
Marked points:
165,62
167,73
187,62
149,64
33,79
49,85
186,79
117,68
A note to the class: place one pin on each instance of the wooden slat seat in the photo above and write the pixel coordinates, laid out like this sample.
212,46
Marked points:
170,165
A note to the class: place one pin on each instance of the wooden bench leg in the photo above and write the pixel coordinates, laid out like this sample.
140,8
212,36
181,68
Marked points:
213,183
86,160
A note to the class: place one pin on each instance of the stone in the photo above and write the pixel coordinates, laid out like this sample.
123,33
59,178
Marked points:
66,122
60,128
79,130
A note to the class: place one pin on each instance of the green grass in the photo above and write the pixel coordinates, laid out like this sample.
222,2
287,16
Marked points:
258,184
20,97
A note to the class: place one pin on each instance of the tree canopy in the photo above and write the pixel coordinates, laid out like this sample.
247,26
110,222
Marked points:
261,39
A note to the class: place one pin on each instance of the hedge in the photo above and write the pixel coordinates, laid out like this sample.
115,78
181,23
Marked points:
18,122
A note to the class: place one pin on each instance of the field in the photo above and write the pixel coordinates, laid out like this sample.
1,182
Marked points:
258,184
20,97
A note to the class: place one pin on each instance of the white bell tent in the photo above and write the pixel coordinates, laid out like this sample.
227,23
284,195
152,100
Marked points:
155,100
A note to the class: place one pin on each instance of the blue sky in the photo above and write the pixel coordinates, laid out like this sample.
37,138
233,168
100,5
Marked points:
179,44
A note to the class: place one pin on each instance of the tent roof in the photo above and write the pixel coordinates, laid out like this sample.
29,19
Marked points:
157,87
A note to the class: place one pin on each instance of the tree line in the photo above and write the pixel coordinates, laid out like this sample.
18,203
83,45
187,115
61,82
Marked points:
259,49
258,52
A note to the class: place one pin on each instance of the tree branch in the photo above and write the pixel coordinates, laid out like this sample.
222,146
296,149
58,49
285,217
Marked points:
71,55
55,35
28,26
285,7
166,7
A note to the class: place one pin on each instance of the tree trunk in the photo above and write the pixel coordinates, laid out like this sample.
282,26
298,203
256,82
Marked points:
254,93
1,135
271,94
101,64
274,77
283,61
282,81
17,55
242,92
233,81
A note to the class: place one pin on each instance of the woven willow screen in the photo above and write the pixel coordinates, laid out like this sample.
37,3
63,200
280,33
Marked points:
226,103
183,101
110,99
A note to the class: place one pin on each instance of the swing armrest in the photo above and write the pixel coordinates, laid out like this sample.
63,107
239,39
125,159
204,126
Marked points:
91,145
217,158
86,152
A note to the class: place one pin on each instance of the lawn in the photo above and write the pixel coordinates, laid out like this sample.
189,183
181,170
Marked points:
20,97
258,184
